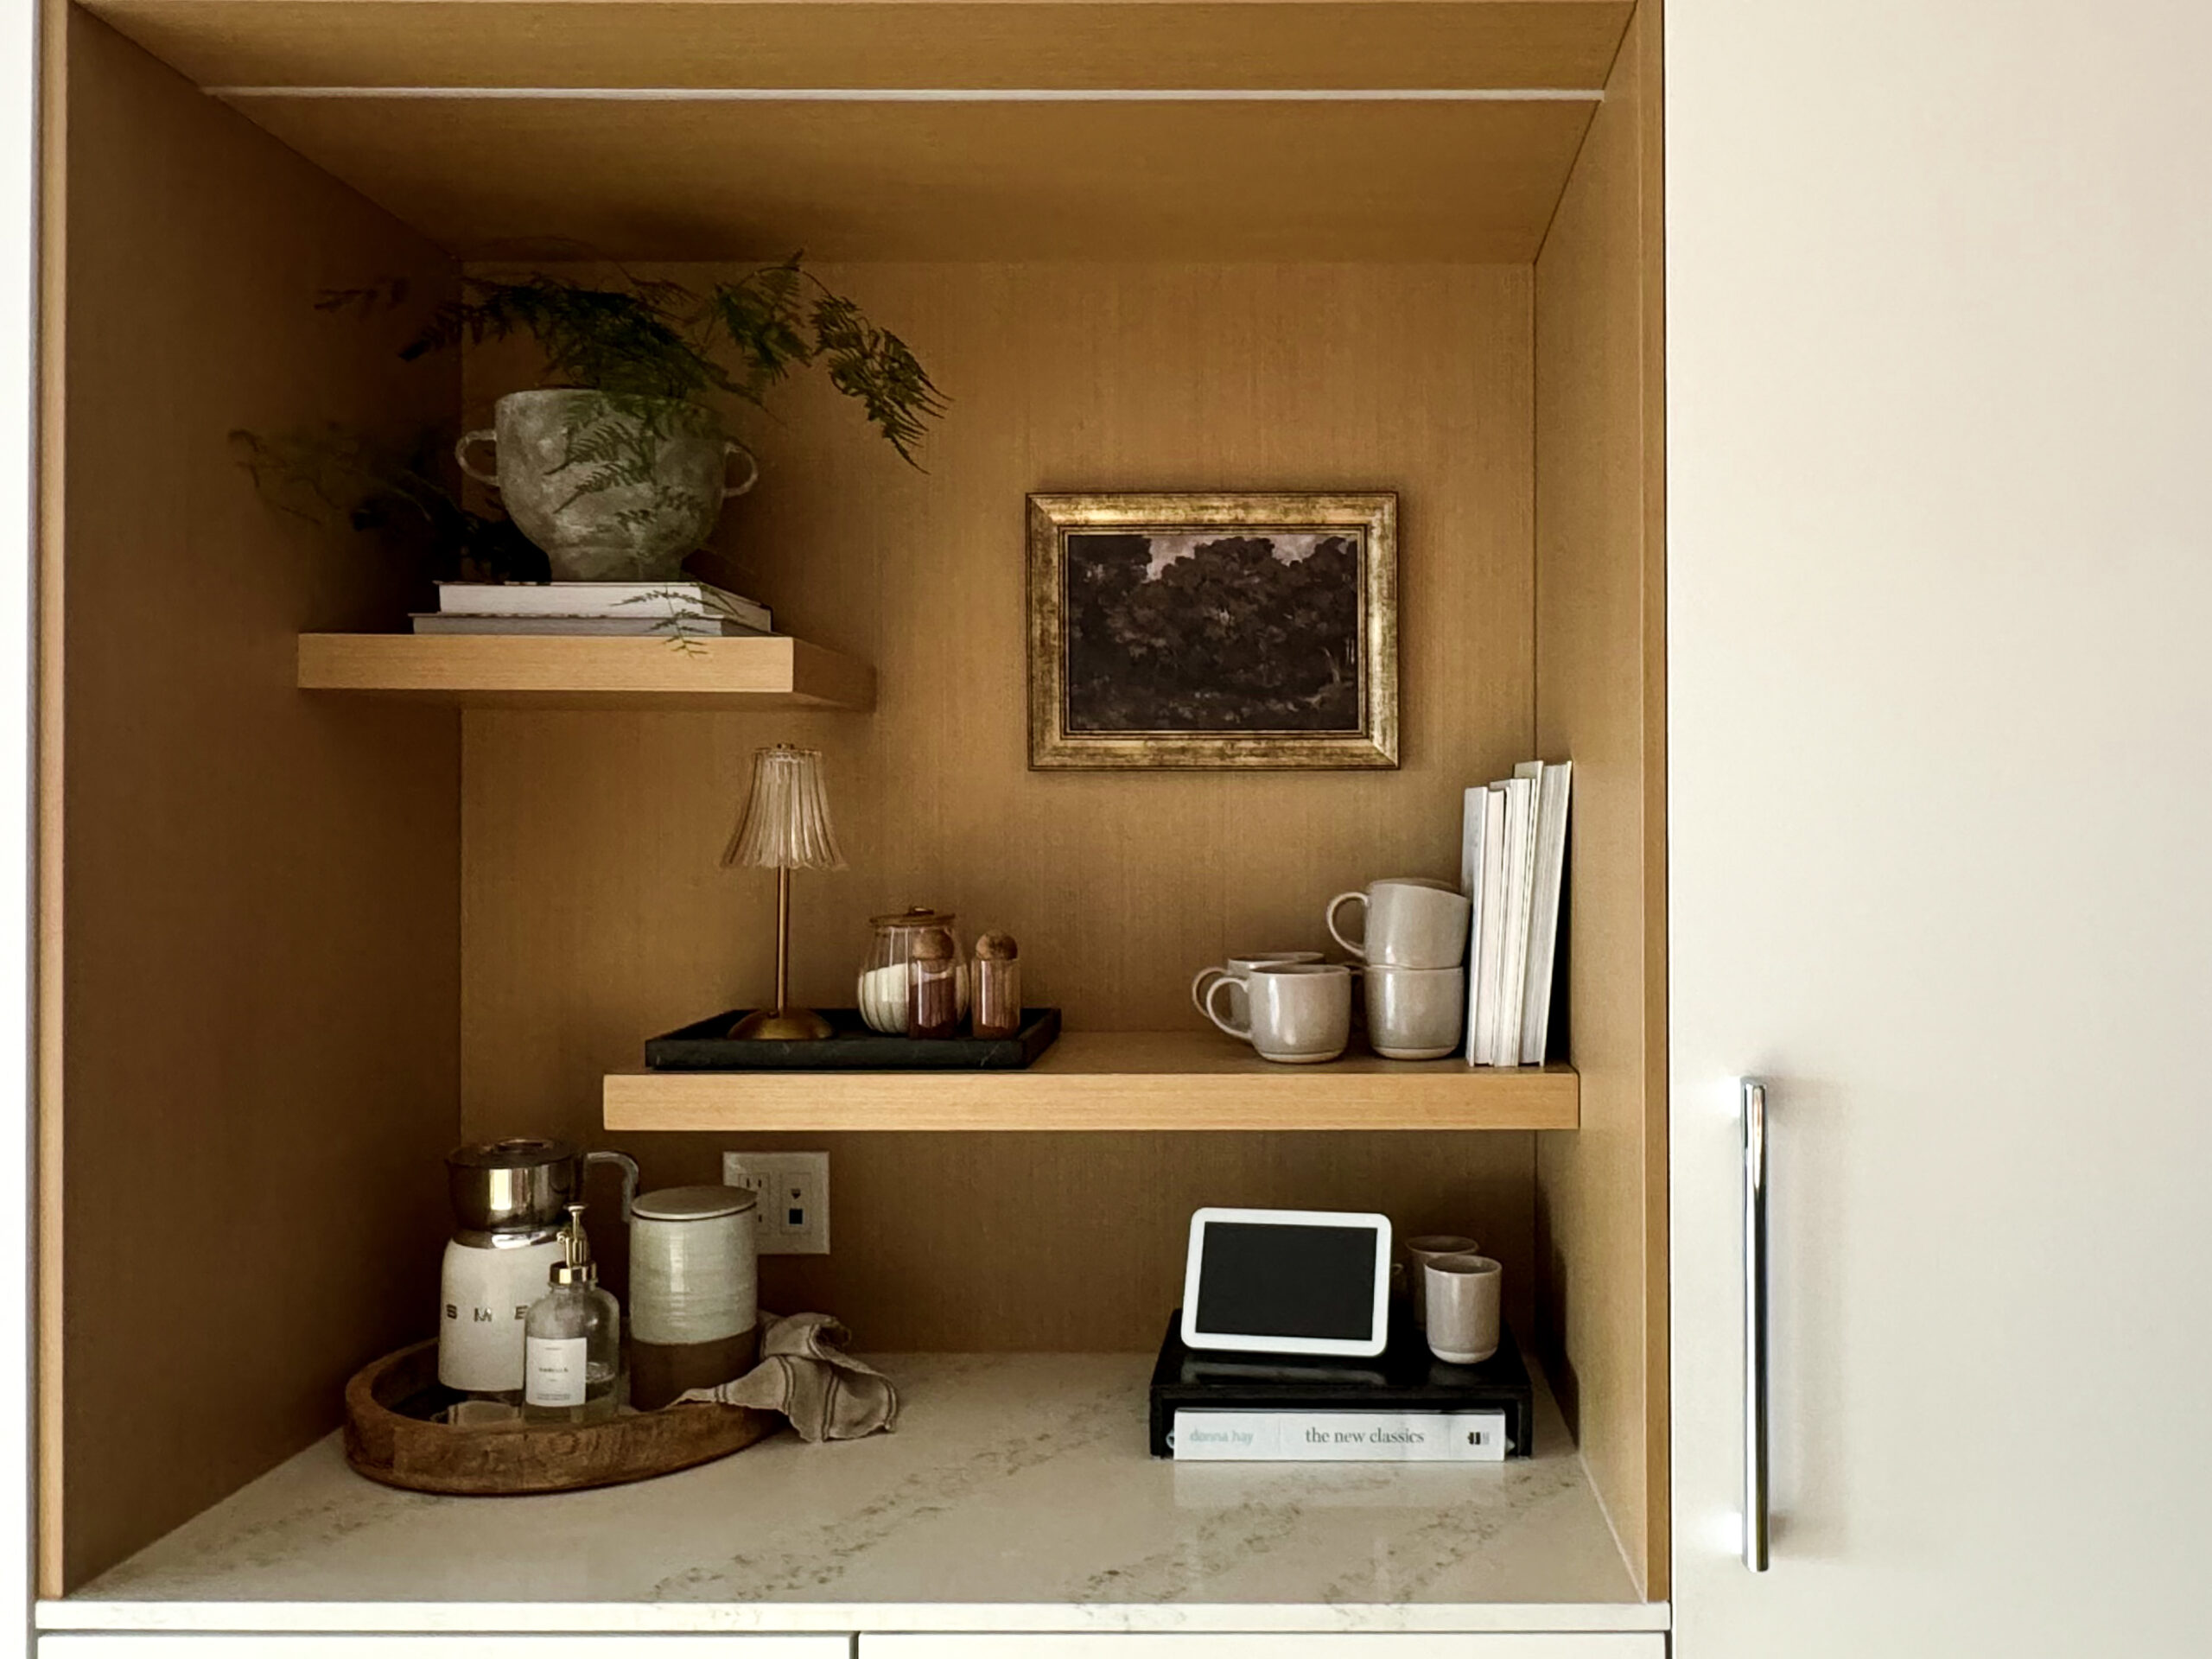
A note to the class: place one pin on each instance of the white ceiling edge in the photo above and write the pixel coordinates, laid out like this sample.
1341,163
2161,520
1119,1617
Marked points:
937,95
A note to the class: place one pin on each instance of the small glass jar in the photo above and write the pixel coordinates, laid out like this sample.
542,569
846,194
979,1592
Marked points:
998,986
881,994
933,985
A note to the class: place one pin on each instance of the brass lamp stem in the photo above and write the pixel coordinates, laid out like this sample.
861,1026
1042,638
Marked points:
783,938
783,1023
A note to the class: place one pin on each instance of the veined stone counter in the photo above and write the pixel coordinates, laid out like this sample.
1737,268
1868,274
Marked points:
1016,1495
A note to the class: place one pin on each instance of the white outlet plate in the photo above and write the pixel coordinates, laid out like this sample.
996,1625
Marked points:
794,1189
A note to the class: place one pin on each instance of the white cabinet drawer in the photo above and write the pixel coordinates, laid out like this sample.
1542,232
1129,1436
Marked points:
159,1645
1640,1644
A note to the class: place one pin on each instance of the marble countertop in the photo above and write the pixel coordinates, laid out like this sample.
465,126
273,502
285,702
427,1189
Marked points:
1017,1493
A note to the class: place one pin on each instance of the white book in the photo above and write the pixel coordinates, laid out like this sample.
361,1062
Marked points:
595,627
1486,961
1210,1436
1551,790
1513,953
684,598
1474,823
1471,840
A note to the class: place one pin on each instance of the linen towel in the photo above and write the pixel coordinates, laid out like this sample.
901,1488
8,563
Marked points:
805,1375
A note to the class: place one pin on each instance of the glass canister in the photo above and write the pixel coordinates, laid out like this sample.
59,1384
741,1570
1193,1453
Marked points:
998,986
882,991
932,985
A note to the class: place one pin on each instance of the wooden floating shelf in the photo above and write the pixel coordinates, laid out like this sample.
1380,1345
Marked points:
1109,1080
548,672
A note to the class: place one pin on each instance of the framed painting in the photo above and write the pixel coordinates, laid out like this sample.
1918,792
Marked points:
1244,630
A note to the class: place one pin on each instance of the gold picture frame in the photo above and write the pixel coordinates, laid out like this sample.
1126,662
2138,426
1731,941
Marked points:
1187,631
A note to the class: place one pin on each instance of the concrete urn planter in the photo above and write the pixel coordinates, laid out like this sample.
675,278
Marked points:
614,488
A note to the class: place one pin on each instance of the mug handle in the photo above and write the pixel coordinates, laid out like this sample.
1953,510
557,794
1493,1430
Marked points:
460,454
1330,917
1201,982
730,447
1243,1033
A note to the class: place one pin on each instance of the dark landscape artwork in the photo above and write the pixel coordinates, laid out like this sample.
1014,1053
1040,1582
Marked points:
1250,631
1255,631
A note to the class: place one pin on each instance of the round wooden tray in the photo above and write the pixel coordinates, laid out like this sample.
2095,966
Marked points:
389,1439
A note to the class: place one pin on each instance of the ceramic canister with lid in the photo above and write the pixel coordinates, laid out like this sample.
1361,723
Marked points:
693,1291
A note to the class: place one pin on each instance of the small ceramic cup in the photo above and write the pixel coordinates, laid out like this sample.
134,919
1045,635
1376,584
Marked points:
1410,922
1415,1013
1239,968
1299,1012
1463,1307
1420,1250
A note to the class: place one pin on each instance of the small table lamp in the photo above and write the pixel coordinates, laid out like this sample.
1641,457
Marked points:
785,828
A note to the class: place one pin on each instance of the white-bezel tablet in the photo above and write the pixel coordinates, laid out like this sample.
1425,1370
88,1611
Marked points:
1287,1281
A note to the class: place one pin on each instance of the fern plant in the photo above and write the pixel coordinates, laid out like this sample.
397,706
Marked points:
335,475
644,340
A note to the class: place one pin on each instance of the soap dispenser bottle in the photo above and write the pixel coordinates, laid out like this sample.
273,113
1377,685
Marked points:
572,1339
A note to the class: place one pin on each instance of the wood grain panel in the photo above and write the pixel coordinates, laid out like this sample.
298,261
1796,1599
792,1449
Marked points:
524,671
1073,1243
1507,43
258,951
1600,653
1109,1080
595,914
952,180
52,580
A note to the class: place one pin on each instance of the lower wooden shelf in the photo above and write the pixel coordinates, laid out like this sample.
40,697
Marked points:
1109,1080
553,671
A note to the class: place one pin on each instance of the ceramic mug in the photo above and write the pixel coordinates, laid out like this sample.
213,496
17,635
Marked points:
1462,1297
1415,1013
1238,967
1297,1013
1420,1250
1411,922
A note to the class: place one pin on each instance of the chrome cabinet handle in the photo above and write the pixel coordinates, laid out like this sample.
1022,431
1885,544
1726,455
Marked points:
1755,1472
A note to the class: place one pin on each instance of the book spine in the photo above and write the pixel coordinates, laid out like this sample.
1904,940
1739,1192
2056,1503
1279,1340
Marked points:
1488,965
1213,1436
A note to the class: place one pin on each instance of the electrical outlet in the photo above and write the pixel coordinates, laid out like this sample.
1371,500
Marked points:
794,1194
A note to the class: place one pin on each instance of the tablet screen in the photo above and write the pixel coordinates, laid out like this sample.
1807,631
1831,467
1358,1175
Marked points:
1287,1281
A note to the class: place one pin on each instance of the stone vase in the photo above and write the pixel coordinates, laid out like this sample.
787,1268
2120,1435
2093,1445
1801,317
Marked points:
612,487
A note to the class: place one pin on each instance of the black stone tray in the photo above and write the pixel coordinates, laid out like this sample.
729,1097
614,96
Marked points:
850,1046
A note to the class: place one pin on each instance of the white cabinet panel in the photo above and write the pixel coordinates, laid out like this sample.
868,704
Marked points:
1638,1645
154,1645
1939,385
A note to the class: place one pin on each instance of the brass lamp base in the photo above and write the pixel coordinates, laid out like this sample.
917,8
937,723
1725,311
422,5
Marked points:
782,1026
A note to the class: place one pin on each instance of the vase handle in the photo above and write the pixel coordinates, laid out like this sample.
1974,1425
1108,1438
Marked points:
460,454
730,447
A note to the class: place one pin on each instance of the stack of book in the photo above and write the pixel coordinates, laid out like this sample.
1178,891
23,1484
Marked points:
1512,860
678,610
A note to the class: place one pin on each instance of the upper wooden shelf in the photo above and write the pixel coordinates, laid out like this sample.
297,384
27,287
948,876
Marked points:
544,671
1107,1080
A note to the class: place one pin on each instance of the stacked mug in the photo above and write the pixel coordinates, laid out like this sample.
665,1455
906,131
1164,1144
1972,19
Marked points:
1413,942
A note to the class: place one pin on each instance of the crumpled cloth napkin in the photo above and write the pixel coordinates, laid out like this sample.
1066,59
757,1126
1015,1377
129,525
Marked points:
805,1374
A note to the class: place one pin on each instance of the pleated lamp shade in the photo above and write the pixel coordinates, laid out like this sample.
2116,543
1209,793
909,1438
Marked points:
786,825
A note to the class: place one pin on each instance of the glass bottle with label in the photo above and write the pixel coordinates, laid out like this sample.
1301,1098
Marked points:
572,1340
